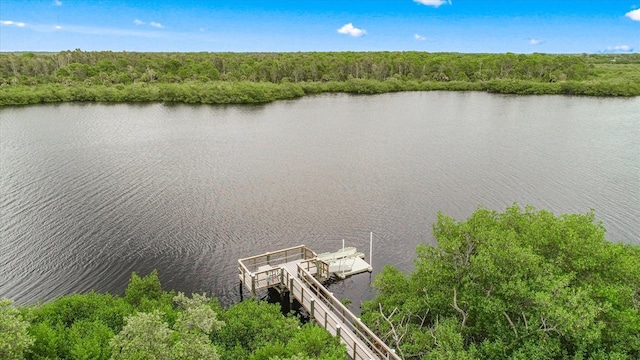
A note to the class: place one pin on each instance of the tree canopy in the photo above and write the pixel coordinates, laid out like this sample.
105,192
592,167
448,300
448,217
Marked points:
150,323
523,284
14,340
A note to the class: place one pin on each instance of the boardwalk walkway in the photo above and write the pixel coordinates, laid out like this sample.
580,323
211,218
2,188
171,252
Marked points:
297,271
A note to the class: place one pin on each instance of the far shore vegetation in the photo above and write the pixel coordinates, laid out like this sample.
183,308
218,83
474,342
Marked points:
236,78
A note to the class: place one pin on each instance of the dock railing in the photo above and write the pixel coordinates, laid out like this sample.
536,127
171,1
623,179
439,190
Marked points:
262,271
317,268
340,316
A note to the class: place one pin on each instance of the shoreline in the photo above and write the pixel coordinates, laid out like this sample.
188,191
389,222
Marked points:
224,92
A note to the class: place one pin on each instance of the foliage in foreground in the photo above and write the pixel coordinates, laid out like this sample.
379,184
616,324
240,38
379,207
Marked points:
14,340
149,323
523,284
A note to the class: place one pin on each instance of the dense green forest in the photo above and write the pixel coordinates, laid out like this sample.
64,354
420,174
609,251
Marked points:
211,78
523,284
150,323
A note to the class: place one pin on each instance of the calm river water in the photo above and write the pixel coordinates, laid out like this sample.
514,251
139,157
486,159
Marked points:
91,192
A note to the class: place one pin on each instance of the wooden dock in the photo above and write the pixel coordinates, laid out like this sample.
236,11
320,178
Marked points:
300,272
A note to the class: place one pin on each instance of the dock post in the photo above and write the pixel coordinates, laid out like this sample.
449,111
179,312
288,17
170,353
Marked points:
355,348
342,260
291,296
313,302
253,285
371,249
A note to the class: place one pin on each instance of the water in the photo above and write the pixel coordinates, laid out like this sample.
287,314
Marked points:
91,192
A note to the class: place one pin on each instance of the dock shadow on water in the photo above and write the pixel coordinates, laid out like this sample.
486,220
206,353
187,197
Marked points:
287,306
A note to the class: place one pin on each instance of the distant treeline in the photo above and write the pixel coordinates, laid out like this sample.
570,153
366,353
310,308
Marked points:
27,78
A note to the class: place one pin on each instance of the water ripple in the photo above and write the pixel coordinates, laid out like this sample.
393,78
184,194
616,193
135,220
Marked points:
90,193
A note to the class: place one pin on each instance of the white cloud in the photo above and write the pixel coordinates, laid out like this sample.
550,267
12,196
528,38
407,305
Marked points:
88,30
12,23
151,23
535,42
419,37
619,48
434,3
107,31
57,3
633,15
349,29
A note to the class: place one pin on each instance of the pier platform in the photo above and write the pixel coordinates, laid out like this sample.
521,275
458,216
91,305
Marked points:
345,262
301,272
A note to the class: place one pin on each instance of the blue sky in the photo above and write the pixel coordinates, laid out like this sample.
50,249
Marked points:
496,26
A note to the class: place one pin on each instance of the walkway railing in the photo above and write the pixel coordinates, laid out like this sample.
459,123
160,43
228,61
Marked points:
343,317
295,269
262,271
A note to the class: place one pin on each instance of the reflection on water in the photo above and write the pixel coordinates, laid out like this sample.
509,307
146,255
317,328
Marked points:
91,192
